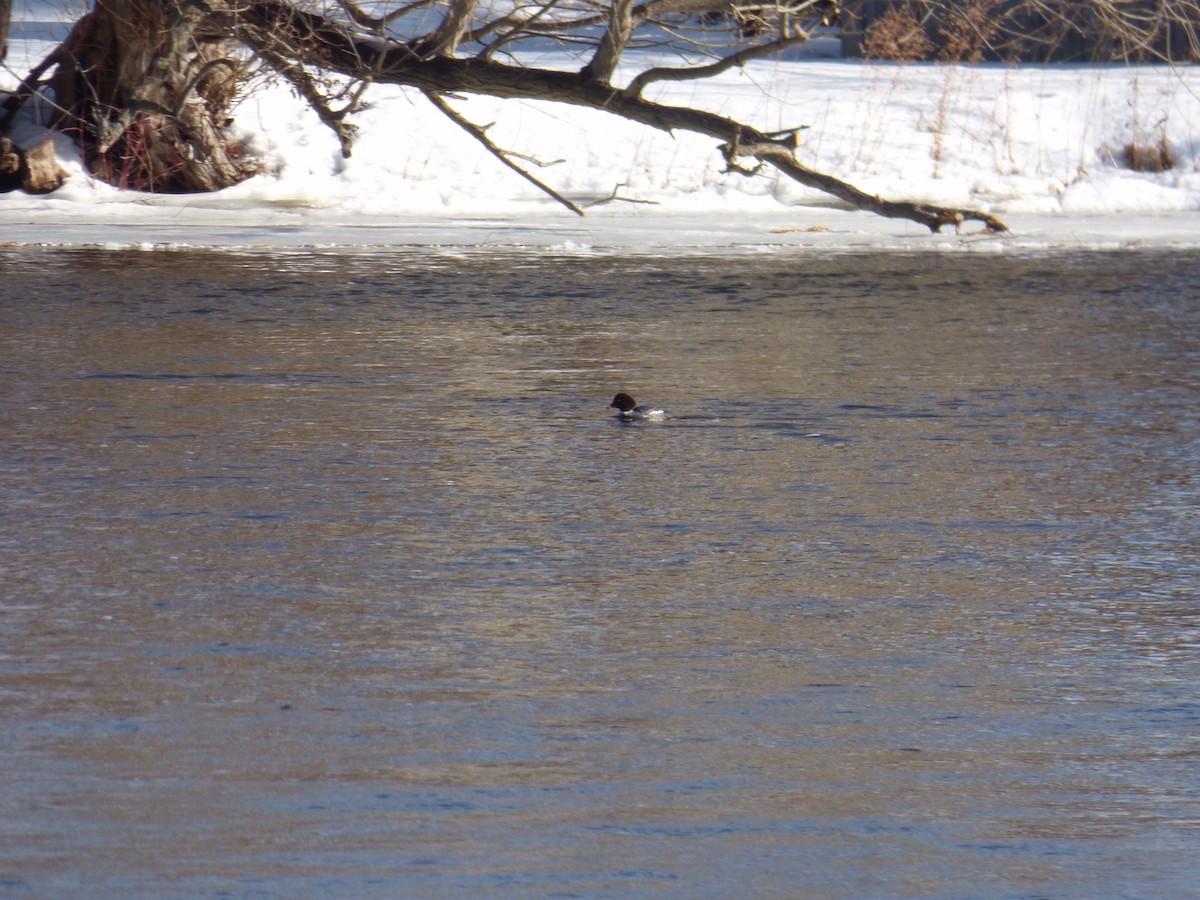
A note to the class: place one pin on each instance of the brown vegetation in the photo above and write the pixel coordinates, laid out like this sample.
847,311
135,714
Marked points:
1027,30
899,35
1144,157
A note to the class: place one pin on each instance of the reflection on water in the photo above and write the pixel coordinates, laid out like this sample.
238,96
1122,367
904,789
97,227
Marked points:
329,575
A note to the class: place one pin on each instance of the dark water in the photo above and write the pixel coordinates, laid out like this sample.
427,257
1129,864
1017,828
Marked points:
329,575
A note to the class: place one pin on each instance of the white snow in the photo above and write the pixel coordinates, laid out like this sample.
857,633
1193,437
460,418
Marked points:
1040,146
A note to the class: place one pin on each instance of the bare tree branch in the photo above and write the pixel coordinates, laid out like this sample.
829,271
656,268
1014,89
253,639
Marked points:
27,88
363,19
272,23
307,88
734,60
312,51
480,135
932,217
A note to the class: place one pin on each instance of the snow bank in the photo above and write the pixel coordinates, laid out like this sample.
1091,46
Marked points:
1041,146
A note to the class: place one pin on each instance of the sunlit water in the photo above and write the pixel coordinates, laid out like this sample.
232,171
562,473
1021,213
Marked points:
331,575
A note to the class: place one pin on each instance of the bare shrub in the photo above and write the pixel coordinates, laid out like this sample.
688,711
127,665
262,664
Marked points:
898,35
966,31
1143,157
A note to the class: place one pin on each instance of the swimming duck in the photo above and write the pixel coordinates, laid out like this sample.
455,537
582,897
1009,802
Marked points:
628,410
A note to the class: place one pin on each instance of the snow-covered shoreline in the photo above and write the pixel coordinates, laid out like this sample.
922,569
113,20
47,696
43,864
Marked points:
1039,146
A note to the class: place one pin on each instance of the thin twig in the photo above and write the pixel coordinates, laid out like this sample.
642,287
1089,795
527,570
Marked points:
307,88
611,198
690,73
27,88
363,19
478,133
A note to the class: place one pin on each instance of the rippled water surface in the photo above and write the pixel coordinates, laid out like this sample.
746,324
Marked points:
330,575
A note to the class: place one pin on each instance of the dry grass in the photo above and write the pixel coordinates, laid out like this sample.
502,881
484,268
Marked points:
1142,157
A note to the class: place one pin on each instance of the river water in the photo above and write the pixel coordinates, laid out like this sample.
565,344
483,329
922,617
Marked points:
330,574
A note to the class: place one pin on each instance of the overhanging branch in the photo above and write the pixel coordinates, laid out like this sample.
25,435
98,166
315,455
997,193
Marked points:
296,42
931,216
481,135
277,26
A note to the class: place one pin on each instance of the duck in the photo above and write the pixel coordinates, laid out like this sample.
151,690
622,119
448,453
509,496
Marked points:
628,410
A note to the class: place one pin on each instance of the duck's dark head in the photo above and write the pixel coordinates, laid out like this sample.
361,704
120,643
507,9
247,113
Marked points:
623,403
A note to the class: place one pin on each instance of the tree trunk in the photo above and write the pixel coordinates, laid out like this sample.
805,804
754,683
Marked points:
146,93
